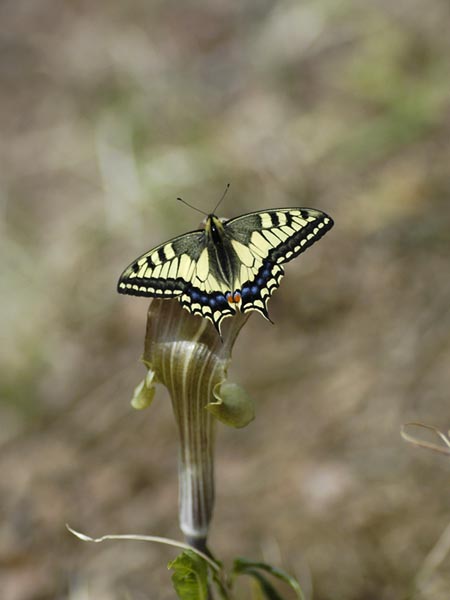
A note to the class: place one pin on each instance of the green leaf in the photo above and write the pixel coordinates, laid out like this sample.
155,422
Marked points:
233,406
190,577
243,566
266,587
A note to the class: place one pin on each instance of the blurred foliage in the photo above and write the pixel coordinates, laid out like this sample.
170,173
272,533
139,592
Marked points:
111,110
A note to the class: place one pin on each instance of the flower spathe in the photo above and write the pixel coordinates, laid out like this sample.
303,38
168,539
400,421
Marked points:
185,354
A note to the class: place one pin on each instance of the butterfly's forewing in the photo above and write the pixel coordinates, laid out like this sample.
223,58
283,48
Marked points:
164,271
264,240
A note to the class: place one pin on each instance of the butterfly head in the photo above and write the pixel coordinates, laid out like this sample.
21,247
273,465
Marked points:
214,228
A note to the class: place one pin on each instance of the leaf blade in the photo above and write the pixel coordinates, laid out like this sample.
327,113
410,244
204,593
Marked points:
243,566
190,577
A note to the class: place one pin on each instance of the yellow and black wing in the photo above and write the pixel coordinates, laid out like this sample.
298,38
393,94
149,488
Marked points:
182,268
266,239
164,271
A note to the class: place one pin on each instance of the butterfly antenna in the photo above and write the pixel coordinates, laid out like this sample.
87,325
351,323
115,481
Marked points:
223,196
193,207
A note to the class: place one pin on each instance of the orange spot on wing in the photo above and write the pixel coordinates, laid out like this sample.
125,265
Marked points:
234,298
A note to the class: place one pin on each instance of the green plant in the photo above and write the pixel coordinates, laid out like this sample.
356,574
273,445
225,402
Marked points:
184,353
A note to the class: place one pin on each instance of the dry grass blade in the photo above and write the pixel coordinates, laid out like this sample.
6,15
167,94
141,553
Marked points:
424,444
144,538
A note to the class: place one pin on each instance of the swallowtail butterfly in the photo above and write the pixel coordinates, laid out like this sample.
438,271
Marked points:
227,266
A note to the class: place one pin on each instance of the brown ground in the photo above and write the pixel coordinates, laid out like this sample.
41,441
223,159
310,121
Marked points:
110,110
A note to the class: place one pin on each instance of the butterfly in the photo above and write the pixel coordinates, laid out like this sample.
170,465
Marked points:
228,265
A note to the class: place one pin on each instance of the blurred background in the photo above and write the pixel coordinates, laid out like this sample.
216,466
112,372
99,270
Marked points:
108,111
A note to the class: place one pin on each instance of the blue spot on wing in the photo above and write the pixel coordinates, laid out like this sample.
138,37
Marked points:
215,300
251,290
267,279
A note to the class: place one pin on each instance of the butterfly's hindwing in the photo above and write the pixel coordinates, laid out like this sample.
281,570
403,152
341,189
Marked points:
256,293
213,306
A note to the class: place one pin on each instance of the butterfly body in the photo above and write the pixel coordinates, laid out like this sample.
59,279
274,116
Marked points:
227,266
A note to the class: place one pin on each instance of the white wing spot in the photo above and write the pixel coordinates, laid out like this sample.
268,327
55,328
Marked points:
165,270
202,268
288,230
271,238
266,220
173,271
260,244
169,251
243,252
156,271
299,222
